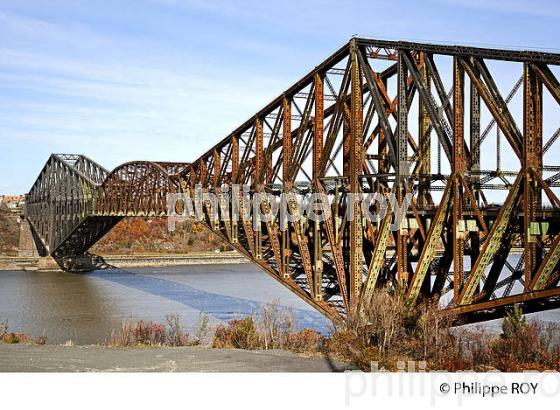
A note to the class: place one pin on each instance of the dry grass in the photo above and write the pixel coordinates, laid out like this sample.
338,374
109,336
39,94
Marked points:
384,333
388,331
270,328
143,333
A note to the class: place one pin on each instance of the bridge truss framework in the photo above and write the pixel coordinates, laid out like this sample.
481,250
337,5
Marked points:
428,120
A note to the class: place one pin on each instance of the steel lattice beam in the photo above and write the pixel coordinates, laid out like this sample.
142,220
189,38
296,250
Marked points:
375,117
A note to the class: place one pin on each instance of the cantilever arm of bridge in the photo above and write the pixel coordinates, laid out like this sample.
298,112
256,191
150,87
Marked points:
376,116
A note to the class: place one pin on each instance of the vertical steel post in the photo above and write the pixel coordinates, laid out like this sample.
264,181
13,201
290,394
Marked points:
234,159
286,178
355,170
257,180
318,260
234,180
217,186
424,142
216,170
318,80
474,162
259,152
401,180
286,142
532,160
458,167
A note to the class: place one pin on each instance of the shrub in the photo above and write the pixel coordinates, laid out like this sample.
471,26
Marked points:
42,340
175,334
3,329
16,337
390,330
525,345
202,330
124,337
151,334
376,332
305,341
270,328
274,325
386,331
13,338
221,338
239,334
514,323
345,344
382,321
431,337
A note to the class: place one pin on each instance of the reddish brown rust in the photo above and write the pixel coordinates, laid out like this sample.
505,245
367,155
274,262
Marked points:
347,127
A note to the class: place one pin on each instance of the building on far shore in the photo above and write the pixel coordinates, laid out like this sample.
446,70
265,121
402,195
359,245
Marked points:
13,202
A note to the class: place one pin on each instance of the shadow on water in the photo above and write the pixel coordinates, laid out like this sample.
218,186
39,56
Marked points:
219,306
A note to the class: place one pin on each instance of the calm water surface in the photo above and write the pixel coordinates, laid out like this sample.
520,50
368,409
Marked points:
86,308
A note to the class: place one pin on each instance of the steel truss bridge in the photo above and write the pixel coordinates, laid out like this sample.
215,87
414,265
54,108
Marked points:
465,130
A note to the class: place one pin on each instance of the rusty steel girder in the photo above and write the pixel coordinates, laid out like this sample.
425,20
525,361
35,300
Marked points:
74,201
438,124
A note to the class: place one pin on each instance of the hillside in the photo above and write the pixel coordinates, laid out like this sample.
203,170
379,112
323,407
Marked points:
9,232
150,235
130,236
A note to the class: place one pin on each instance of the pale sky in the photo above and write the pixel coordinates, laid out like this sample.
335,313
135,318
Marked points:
166,79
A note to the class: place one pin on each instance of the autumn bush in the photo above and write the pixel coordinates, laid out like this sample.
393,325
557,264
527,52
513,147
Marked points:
305,341
526,344
17,337
384,331
272,327
275,323
142,333
149,333
388,330
175,334
238,333
13,338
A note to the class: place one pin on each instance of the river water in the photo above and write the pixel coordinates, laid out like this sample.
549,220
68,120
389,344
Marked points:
86,308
